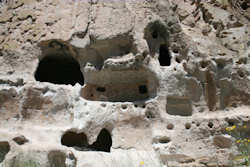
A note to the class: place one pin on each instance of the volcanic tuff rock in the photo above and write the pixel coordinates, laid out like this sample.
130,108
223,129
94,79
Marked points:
98,83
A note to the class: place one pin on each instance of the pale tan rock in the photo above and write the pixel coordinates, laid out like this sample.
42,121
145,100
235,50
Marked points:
5,17
150,83
222,142
24,14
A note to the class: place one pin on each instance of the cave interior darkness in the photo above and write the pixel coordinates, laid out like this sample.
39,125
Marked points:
164,56
79,140
59,69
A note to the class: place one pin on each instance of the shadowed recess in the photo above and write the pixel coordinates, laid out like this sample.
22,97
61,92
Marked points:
4,149
155,33
80,141
244,5
164,56
72,139
59,69
103,142
121,86
181,106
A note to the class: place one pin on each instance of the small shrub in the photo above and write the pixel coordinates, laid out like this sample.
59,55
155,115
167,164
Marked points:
30,163
242,141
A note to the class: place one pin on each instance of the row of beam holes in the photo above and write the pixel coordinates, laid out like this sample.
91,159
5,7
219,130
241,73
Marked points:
142,89
188,126
170,126
124,106
79,141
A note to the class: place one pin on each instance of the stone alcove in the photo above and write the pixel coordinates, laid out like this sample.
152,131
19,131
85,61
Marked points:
157,36
103,141
79,141
120,86
181,106
57,65
72,139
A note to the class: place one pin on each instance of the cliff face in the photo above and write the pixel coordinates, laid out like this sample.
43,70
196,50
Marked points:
98,83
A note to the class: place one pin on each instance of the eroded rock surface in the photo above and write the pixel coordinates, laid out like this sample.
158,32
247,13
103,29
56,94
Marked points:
95,83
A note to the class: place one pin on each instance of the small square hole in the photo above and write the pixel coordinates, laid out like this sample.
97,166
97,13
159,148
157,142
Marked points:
101,89
143,89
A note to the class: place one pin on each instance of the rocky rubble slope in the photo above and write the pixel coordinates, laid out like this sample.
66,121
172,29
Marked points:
132,83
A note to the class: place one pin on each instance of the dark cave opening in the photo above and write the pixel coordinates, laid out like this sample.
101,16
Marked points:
101,89
164,56
59,70
244,5
79,141
143,89
72,139
155,34
103,142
